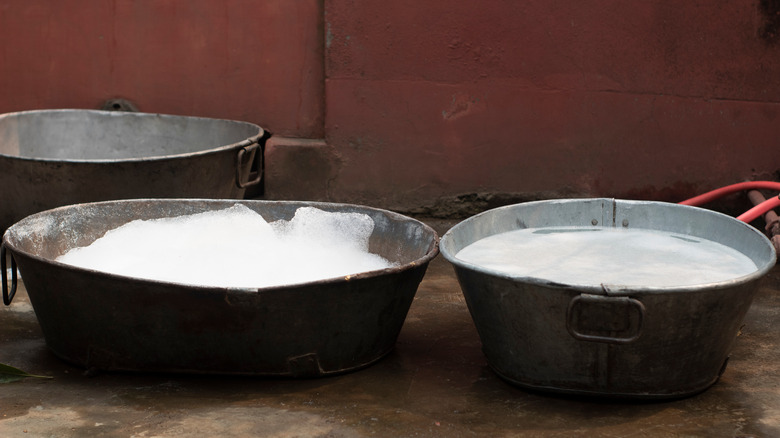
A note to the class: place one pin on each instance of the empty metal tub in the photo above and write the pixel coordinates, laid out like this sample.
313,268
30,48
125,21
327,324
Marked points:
51,158
637,342
104,321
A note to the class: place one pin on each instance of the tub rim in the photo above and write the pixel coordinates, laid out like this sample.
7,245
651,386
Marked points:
430,253
211,150
610,290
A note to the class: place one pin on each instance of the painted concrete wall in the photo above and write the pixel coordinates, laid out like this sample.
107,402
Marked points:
259,61
432,106
653,100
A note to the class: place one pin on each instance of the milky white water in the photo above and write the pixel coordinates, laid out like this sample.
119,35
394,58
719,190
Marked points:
609,256
235,247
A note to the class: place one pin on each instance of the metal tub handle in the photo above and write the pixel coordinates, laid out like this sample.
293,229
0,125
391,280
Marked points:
247,147
7,296
614,302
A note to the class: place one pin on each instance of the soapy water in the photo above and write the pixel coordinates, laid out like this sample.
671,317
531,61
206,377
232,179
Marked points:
608,256
235,247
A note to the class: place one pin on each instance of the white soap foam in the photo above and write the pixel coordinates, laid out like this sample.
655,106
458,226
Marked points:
608,256
235,247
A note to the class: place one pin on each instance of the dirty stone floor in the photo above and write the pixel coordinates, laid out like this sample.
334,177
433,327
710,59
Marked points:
435,383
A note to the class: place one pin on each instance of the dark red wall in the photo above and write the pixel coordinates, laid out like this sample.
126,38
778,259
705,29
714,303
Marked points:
658,99
259,61
420,104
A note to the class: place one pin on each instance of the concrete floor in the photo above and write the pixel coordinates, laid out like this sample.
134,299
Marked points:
435,383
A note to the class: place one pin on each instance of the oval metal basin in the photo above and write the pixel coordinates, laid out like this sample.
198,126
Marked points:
51,158
112,322
634,342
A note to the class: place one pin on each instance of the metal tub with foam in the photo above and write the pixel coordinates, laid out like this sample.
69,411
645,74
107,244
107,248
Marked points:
106,321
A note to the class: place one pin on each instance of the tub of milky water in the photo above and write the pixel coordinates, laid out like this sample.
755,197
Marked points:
606,297
273,288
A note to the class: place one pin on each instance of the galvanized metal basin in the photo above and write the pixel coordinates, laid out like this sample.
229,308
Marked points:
51,158
638,342
110,322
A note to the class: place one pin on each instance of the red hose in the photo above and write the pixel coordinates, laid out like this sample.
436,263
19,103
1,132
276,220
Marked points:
759,210
727,190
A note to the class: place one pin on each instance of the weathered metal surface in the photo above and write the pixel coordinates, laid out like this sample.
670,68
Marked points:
51,158
8,291
111,322
625,342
